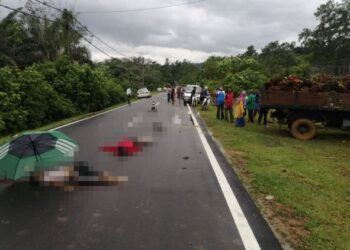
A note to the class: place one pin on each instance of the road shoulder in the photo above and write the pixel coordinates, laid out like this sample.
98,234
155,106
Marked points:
262,231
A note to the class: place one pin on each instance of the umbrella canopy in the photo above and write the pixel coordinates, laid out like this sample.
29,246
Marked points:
33,151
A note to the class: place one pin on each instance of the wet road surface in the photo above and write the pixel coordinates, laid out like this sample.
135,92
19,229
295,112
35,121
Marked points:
172,199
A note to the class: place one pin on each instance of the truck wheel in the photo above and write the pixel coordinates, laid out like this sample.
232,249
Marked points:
303,129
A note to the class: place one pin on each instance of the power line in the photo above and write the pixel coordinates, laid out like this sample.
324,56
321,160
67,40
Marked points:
141,9
52,21
83,26
48,5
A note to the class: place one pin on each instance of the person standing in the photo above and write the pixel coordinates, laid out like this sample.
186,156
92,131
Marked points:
128,94
220,102
240,110
263,115
229,99
169,94
173,95
203,94
250,107
178,92
257,103
206,98
193,95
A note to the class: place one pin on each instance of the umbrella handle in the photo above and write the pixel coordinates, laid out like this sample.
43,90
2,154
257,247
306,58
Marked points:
35,151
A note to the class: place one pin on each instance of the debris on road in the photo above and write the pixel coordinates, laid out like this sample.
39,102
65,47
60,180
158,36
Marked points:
158,127
154,106
4,222
128,147
62,219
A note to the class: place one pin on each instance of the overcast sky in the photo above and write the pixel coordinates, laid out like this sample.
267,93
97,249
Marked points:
193,32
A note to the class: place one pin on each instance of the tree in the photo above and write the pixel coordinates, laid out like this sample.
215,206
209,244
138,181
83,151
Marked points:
239,73
16,48
41,36
251,52
329,42
280,60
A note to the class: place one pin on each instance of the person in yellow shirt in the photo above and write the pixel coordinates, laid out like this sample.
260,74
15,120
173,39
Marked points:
240,110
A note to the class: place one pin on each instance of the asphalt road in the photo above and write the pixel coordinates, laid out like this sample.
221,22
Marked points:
172,200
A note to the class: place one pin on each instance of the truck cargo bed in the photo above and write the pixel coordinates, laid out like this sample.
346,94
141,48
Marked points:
306,100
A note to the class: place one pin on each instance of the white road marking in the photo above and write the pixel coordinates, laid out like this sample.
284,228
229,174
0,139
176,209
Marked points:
246,233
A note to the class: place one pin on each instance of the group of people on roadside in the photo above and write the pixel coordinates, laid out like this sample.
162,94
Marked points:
173,92
232,110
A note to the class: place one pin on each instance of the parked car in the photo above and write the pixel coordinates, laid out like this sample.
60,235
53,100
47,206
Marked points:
159,89
143,93
187,93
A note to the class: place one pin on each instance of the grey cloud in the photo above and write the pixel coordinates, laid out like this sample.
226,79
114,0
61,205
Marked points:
213,26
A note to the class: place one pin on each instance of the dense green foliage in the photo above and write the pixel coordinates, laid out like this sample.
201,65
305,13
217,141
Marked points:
329,42
139,72
50,91
46,73
250,70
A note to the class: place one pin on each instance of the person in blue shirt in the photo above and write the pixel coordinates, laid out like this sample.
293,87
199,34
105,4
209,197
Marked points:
220,101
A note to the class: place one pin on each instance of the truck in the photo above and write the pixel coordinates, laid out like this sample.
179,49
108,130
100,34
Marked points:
302,109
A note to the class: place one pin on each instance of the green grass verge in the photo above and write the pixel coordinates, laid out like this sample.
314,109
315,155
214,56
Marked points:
309,180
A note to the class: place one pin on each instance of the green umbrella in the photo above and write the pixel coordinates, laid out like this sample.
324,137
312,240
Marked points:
33,151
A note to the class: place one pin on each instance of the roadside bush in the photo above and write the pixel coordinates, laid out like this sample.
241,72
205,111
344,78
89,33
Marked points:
247,79
51,91
13,117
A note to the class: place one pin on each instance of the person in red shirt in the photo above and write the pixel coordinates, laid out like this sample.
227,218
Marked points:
229,100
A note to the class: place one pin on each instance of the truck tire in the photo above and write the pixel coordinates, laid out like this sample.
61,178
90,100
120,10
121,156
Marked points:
303,129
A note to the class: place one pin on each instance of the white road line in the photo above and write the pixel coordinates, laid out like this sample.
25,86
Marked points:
88,118
246,233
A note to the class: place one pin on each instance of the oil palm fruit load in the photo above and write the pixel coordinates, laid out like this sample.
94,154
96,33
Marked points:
319,83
